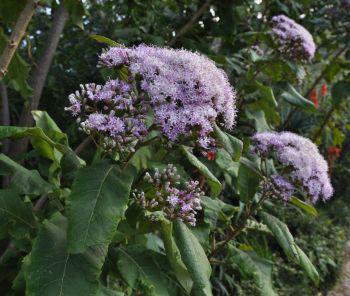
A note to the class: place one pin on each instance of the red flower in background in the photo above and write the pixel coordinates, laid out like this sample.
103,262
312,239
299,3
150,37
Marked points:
314,98
211,155
334,151
324,90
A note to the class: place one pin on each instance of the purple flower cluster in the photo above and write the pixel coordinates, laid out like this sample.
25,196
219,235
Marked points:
294,40
167,196
303,165
187,92
109,111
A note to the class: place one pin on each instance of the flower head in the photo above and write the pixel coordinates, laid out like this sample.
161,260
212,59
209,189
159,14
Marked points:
187,92
302,164
294,41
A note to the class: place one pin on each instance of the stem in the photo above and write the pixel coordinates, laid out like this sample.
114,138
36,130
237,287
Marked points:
40,203
190,23
83,145
16,36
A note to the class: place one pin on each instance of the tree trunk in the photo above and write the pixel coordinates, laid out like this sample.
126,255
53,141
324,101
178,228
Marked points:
39,75
16,36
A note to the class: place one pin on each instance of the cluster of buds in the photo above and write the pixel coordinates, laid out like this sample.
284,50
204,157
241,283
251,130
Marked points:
278,186
111,112
166,194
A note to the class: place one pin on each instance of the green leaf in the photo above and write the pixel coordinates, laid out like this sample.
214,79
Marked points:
174,257
52,271
248,179
231,144
105,40
23,180
293,97
138,265
254,267
215,209
96,205
16,213
340,92
76,11
307,266
286,241
267,93
310,209
214,183
258,116
194,257
49,127
225,162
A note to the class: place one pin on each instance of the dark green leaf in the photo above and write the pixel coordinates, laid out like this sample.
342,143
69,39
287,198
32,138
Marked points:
97,203
23,180
231,144
52,271
254,267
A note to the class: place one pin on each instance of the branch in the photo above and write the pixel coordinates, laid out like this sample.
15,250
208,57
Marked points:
40,73
83,145
5,114
190,23
16,36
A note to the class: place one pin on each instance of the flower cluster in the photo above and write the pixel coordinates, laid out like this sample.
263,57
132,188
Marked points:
187,92
167,195
294,40
302,164
279,186
110,111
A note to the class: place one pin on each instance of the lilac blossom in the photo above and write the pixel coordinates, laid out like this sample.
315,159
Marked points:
176,201
302,164
294,40
187,92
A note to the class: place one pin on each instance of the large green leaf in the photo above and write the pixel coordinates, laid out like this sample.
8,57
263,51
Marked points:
105,40
138,265
174,257
258,116
309,209
231,144
267,93
254,267
50,270
248,179
194,257
15,213
286,241
214,183
49,126
23,180
293,97
97,203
